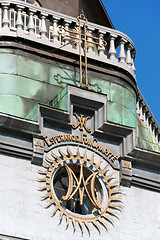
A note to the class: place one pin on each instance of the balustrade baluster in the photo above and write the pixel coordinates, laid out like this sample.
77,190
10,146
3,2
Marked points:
76,42
112,50
66,39
55,30
133,57
153,129
147,119
43,29
150,124
141,111
144,114
101,49
19,22
138,109
31,27
5,20
128,55
89,45
156,134
122,55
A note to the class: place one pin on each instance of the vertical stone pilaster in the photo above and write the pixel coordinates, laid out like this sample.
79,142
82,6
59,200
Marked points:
38,151
125,173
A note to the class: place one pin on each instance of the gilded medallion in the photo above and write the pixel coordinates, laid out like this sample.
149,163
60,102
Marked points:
80,188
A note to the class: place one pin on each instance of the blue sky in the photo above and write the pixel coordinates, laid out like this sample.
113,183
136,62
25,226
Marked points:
140,20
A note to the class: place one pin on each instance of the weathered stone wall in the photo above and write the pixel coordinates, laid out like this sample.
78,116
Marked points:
22,213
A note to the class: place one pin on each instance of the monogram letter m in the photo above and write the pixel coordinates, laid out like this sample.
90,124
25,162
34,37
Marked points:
81,122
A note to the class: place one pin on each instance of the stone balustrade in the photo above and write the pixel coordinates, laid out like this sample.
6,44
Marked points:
34,23
145,115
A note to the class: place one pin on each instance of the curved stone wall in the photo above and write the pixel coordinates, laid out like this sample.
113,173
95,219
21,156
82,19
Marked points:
27,79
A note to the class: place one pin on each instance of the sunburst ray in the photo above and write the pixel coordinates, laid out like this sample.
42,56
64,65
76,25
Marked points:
87,225
85,155
45,187
111,184
44,172
103,171
115,205
80,223
115,191
70,153
55,209
49,194
92,159
108,177
63,154
67,219
112,211
107,217
103,222
57,157
74,222
78,154
46,179
51,160
50,203
61,213
98,163
96,224
48,164
115,198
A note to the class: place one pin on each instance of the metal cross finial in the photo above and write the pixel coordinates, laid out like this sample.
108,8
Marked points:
82,37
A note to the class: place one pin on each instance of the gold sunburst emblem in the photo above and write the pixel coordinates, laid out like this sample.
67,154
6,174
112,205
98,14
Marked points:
80,189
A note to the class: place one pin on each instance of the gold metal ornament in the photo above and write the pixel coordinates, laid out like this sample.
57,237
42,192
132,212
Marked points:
39,143
127,165
82,37
80,182
103,214
81,122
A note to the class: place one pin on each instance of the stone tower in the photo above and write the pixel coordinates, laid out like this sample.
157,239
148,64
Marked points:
79,149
